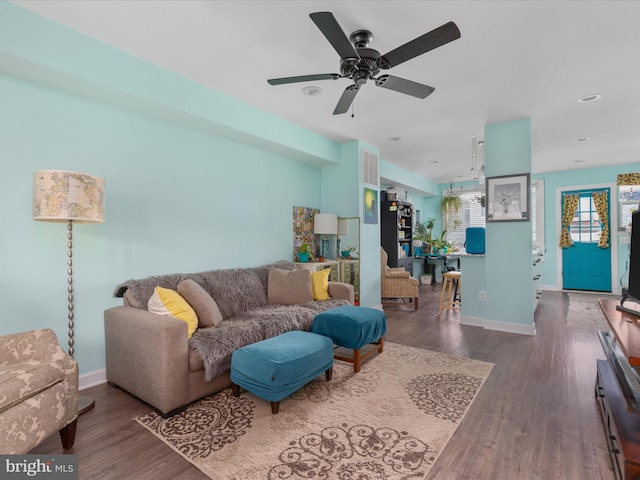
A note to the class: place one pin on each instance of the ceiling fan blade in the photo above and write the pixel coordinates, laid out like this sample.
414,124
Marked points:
330,28
435,38
403,85
304,78
346,99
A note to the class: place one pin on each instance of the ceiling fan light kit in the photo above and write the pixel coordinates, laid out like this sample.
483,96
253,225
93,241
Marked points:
359,63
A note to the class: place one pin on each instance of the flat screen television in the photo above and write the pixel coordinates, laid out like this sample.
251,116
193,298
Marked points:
632,293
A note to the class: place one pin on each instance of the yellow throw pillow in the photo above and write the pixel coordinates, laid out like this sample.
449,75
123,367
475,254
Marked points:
165,301
320,281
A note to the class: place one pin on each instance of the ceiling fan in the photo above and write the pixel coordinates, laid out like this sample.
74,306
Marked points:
360,63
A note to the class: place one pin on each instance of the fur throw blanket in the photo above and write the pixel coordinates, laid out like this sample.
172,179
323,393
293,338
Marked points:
216,344
235,290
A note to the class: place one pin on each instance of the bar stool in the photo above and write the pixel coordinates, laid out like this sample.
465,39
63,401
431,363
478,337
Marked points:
451,291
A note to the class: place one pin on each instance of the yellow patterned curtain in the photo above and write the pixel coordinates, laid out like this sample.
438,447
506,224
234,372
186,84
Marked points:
628,179
601,200
569,207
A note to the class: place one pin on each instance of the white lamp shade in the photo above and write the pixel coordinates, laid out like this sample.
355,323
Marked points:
325,223
60,196
343,226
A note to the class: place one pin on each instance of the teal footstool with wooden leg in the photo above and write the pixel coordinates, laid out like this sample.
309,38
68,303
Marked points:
275,368
352,328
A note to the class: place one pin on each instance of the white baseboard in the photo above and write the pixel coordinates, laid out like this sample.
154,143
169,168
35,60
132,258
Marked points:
498,326
92,379
472,321
510,327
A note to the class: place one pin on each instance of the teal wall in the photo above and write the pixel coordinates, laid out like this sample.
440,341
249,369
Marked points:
569,179
195,180
176,200
509,245
409,180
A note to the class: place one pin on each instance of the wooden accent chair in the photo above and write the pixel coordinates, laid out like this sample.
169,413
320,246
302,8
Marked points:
397,283
38,391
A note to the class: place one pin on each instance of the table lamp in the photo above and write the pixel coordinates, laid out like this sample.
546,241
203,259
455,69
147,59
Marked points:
325,224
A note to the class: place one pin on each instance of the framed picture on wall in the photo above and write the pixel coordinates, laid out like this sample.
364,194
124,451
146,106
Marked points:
508,198
370,206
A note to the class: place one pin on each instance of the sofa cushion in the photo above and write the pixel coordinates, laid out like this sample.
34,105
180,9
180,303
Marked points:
289,287
165,301
131,301
205,307
195,360
320,282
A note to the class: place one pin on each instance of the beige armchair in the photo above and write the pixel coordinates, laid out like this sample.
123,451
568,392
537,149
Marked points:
396,283
38,391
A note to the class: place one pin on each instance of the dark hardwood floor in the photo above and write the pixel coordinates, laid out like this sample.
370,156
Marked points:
535,417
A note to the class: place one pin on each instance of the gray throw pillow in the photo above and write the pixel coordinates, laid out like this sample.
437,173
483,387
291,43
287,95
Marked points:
289,287
205,307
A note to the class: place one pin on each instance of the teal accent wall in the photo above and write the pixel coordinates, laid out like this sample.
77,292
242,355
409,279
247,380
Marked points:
195,180
509,245
177,200
408,179
343,194
578,178
42,51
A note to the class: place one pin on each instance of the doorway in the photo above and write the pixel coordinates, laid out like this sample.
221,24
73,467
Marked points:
586,264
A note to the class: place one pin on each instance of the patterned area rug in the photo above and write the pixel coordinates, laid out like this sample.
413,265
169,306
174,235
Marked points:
584,311
389,421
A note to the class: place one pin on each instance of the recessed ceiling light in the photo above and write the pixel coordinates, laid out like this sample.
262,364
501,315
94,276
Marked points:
432,162
394,139
312,90
578,161
582,139
590,98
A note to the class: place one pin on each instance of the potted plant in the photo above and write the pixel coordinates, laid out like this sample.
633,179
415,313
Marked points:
440,243
450,206
422,234
346,252
303,253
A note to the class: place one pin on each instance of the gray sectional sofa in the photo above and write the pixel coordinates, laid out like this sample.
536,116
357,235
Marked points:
151,356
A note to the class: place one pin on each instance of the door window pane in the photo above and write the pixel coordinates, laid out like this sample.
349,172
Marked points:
585,226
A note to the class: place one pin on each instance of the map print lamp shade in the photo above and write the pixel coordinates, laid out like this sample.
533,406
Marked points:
63,196
71,197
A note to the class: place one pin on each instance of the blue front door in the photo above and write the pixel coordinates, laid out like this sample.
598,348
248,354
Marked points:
585,266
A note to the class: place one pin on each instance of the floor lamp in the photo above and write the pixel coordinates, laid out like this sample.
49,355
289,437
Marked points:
71,197
325,224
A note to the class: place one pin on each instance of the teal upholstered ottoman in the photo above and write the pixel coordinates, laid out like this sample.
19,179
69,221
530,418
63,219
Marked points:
275,368
352,327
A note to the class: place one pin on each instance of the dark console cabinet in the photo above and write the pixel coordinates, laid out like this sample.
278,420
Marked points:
396,231
617,390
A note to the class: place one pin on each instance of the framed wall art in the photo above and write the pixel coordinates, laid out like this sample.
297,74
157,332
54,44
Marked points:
508,198
370,206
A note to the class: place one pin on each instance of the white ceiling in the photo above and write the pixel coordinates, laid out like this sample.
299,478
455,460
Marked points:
515,59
